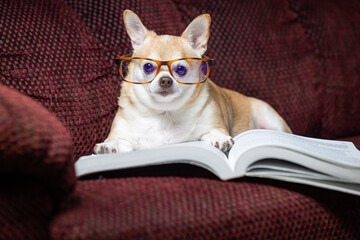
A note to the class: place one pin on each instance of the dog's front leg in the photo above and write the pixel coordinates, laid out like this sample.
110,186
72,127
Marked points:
218,138
119,139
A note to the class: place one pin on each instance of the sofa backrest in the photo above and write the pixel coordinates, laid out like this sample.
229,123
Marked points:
333,29
301,57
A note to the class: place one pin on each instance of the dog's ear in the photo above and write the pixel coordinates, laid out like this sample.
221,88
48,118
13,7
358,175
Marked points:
198,33
134,28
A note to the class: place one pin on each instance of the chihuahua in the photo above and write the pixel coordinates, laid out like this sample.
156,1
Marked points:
166,96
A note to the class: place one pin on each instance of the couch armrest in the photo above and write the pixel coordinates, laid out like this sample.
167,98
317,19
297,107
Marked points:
33,143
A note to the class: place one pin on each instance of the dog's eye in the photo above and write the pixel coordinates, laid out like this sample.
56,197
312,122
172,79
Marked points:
181,70
148,68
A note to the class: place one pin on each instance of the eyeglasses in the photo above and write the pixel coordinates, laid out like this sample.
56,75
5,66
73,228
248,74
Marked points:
184,70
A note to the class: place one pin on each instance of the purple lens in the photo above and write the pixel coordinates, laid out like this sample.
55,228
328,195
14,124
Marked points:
204,68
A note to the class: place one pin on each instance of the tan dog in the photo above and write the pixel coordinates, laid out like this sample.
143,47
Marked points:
165,102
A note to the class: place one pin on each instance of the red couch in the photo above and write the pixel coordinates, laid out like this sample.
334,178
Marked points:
58,96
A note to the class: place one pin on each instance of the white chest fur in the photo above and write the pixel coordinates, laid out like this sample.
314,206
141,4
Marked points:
145,126
162,129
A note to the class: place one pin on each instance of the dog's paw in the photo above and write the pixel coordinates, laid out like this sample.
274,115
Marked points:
106,147
112,146
219,140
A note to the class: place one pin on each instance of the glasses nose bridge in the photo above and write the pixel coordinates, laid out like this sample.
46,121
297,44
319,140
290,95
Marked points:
167,64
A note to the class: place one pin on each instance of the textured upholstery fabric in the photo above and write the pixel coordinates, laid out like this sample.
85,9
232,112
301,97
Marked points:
33,143
36,166
333,30
50,55
198,208
25,208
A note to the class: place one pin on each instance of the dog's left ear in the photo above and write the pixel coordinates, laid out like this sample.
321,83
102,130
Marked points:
134,27
198,33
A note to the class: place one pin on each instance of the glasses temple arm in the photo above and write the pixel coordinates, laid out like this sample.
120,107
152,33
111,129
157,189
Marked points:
118,60
210,61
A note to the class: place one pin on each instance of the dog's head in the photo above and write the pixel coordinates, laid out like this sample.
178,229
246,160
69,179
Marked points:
167,82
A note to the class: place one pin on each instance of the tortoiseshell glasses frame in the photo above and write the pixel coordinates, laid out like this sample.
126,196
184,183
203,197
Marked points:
126,59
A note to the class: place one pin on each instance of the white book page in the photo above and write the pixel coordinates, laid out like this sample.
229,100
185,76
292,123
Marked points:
285,168
340,153
251,156
197,153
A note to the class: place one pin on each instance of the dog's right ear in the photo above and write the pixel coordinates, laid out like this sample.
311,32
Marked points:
134,28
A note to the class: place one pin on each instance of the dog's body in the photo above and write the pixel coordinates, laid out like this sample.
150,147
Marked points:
152,115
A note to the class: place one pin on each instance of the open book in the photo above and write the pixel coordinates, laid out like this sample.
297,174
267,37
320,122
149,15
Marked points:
256,153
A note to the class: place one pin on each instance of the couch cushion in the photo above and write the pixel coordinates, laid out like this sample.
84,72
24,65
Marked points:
261,50
204,208
33,143
333,29
36,166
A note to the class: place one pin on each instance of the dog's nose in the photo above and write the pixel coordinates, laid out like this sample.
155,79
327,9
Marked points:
166,82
